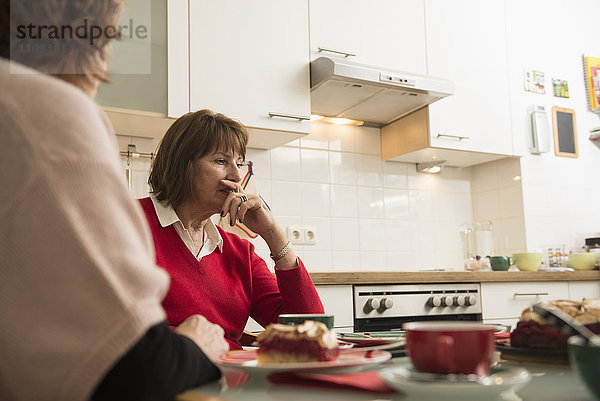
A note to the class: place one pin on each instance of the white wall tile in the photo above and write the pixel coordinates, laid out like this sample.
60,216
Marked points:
399,261
372,261
444,205
341,138
317,261
345,261
368,170
315,199
397,235
322,228
368,140
424,181
511,201
318,138
285,198
261,162
395,203
285,164
342,168
462,208
344,234
422,235
449,260
263,188
486,205
371,235
370,202
314,165
447,238
344,201
484,177
420,205
395,175
424,260
507,170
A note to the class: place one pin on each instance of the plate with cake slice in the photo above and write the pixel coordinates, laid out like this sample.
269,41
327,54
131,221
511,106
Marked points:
307,347
346,361
537,340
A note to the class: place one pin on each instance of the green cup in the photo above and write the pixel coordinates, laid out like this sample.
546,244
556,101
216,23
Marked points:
585,358
501,263
294,319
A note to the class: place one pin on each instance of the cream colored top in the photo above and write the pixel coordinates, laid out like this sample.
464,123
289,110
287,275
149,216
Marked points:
78,283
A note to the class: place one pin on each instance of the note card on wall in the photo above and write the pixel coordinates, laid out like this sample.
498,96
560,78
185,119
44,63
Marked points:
565,132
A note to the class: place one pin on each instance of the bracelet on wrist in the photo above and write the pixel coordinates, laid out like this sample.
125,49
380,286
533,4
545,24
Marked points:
284,251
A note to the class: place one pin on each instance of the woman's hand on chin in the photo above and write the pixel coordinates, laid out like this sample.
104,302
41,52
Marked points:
248,209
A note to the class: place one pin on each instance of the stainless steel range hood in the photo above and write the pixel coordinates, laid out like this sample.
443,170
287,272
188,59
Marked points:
377,96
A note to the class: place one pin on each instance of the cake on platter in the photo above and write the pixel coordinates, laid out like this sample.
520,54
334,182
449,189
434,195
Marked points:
533,331
307,342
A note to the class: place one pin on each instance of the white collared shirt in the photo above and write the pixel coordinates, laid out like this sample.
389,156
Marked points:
212,239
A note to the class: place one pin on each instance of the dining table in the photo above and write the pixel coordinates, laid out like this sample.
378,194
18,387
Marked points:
546,382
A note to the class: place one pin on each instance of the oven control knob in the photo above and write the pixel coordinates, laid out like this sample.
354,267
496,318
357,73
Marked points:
459,301
386,303
470,299
447,300
373,303
434,301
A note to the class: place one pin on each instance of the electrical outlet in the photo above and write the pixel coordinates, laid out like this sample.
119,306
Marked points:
295,235
310,236
301,235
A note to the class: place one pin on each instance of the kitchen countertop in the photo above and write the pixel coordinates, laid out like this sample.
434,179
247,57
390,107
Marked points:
375,277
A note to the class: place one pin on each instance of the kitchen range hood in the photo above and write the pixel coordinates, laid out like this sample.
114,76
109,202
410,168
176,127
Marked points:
340,88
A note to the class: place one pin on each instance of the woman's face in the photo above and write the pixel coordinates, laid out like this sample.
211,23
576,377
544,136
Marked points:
208,171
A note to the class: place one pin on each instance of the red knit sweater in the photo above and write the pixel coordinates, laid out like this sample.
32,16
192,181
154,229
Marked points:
229,286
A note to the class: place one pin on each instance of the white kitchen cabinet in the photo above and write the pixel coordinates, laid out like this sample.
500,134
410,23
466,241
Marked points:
338,301
250,59
584,289
137,70
508,300
384,33
466,43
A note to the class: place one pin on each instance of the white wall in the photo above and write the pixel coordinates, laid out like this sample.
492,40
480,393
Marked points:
497,197
560,195
369,214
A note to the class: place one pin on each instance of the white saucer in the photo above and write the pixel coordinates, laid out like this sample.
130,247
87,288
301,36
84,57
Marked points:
503,380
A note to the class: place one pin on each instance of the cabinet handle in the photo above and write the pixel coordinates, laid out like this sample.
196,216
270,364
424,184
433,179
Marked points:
345,54
292,116
460,138
530,294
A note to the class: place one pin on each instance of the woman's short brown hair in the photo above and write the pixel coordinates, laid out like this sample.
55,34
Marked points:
191,137
69,57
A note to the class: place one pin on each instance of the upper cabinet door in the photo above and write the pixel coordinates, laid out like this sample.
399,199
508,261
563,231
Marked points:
384,33
466,43
137,70
249,59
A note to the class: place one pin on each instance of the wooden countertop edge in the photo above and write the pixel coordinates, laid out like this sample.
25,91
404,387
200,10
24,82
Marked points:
324,278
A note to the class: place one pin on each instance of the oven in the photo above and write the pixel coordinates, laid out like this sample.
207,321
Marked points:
387,307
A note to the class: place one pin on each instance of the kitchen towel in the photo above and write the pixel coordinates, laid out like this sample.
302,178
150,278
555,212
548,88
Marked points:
364,381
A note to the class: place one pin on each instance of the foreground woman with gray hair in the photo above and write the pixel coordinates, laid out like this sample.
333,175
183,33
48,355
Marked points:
80,294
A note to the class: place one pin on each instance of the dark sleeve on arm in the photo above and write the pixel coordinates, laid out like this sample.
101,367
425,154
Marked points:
159,366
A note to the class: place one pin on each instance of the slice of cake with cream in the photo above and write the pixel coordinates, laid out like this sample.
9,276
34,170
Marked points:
307,342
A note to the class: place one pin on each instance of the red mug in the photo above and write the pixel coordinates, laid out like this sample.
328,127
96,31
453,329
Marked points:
450,347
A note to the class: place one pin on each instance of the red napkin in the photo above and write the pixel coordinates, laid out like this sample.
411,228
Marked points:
365,381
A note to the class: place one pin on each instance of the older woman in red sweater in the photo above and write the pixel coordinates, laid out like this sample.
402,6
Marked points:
195,175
